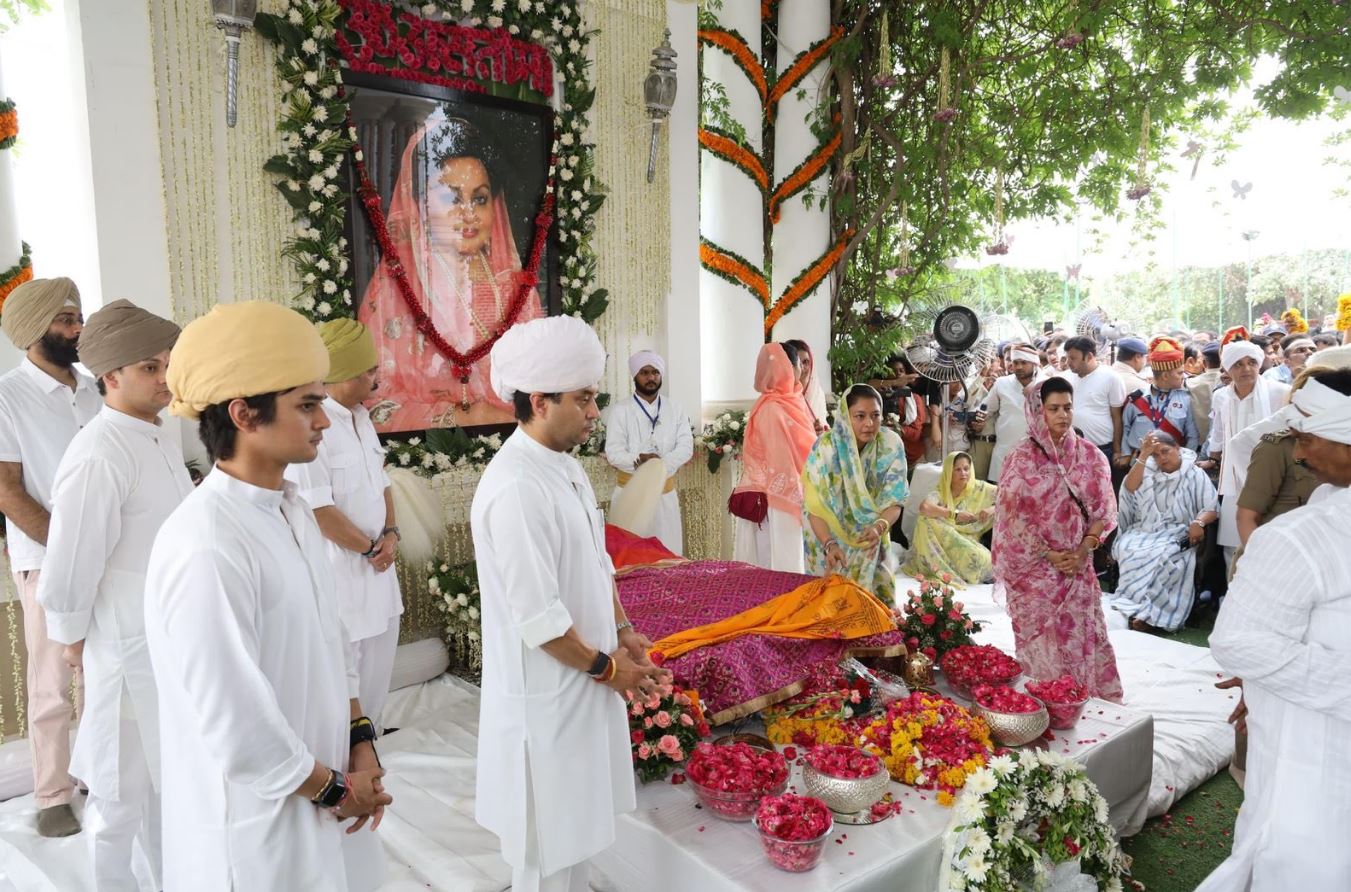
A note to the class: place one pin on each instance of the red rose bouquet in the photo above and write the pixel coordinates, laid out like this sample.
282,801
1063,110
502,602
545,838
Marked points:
1000,698
663,730
933,621
973,664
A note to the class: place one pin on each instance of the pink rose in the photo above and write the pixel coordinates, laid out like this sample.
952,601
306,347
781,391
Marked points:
687,721
959,605
662,719
647,722
928,619
636,709
937,601
668,745
644,751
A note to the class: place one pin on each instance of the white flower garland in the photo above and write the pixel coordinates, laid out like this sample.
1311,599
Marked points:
315,139
444,450
1023,822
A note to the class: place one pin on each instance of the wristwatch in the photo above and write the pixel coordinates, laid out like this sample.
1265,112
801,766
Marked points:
333,792
620,627
394,530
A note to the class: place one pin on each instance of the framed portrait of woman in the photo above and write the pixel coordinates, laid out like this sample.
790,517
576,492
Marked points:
461,178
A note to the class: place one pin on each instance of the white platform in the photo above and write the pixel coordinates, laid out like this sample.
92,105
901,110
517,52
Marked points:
434,844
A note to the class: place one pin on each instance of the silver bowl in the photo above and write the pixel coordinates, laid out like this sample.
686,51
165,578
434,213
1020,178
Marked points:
1014,728
845,795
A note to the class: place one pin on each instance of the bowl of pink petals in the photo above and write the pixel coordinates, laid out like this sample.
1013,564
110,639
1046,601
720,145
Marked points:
1064,700
731,780
793,830
978,664
1014,717
845,778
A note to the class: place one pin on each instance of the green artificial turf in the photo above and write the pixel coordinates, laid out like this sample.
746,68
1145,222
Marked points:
1176,851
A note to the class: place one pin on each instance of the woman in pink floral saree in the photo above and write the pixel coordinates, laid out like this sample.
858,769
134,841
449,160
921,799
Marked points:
1055,504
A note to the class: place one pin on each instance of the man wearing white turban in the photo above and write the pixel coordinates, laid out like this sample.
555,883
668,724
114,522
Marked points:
43,404
651,427
1005,405
1288,636
1248,399
554,767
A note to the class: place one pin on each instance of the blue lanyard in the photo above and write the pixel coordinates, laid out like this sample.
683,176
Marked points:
650,417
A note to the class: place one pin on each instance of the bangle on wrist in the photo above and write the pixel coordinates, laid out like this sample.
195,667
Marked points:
375,546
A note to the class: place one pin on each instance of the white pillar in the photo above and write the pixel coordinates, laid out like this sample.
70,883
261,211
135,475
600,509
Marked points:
684,356
803,233
731,208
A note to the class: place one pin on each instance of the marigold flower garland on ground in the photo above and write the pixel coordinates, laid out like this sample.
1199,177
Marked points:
1022,819
933,621
930,743
664,729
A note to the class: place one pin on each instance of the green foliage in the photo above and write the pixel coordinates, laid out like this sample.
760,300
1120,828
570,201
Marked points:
13,11
1051,95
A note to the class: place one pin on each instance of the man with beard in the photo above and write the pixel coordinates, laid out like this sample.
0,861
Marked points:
1006,404
120,479
347,488
1288,637
651,427
43,404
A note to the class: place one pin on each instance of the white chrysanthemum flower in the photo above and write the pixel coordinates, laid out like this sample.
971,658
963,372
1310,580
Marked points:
330,287
330,190
969,810
311,78
1114,884
315,206
320,114
473,613
1055,796
322,265
315,156
295,18
462,599
513,29
567,32
499,5
536,34
523,5
312,232
981,781
433,585
734,425
1017,809
316,182
309,278
324,308
309,46
494,21
575,46
472,635
978,841
1100,810
427,460
975,867
1001,765
1004,832
566,174
307,303
404,458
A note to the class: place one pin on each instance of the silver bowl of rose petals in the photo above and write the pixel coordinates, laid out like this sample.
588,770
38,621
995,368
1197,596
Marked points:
1014,718
845,778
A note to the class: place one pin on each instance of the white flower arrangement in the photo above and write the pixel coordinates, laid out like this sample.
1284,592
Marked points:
310,68
1029,821
456,595
723,438
447,449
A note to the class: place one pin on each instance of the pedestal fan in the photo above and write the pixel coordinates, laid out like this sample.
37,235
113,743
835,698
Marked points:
947,344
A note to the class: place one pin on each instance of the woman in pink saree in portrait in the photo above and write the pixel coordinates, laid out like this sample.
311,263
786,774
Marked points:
1054,506
449,223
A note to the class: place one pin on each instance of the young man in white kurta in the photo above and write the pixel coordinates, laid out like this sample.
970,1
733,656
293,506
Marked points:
347,488
121,477
647,426
1288,637
43,404
247,643
554,764
1005,402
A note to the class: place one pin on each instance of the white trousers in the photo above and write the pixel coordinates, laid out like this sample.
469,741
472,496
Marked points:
576,878
112,825
375,666
775,544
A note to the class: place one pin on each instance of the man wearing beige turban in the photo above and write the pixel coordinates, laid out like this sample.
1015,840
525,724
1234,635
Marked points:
120,479
270,752
349,492
43,404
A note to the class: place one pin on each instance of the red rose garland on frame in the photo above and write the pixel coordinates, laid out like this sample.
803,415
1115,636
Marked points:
461,363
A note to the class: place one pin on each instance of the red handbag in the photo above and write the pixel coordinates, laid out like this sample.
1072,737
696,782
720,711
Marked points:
752,506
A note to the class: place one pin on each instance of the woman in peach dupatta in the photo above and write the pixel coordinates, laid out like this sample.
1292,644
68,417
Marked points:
451,229
780,434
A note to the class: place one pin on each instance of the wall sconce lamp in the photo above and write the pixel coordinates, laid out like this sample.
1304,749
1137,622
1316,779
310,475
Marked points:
234,17
659,92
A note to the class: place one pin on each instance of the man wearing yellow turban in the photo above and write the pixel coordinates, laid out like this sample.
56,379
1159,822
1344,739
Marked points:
245,633
43,403
349,492
119,480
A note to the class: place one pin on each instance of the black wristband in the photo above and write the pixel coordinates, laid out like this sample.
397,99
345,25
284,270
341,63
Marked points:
375,546
599,664
362,730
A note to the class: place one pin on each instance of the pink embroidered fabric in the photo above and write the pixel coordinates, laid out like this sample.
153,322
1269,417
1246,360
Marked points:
1058,623
663,601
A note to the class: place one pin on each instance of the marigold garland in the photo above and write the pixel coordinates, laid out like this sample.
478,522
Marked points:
1344,312
734,268
803,64
17,274
1294,321
9,123
735,46
806,281
802,175
724,146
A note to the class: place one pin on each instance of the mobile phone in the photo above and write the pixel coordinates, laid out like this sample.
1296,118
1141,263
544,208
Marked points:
1047,327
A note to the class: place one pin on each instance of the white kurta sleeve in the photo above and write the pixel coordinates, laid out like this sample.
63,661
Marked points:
314,480
86,524
683,450
1261,631
621,449
526,543
1216,444
9,434
207,601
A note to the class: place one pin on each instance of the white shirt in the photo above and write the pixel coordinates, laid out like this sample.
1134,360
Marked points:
1095,396
118,481
1230,415
1007,404
254,670
1130,378
546,731
349,474
629,432
39,416
1288,636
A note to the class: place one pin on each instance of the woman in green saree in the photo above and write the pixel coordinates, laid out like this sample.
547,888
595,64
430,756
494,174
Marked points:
853,486
951,521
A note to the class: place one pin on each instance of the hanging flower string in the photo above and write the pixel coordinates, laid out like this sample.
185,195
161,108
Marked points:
461,363
1142,187
945,111
1001,244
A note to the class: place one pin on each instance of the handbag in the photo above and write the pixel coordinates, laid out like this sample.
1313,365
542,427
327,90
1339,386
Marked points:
752,506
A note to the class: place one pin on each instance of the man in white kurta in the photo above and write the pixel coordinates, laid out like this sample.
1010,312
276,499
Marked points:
347,488
651,427
121,477
43,403
250,655
1004,403
1288,636
554,763
1249,399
